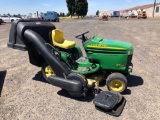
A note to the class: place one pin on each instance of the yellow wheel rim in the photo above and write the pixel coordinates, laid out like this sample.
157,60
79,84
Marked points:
49,71
116,85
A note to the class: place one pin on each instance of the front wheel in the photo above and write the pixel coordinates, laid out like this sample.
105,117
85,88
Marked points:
57,20
12,20
116,82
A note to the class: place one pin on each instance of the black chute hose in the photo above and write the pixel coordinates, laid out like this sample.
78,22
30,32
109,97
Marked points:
39,43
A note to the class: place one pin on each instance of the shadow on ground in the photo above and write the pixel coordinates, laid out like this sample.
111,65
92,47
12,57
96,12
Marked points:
134,81
89,96
39,77
2,78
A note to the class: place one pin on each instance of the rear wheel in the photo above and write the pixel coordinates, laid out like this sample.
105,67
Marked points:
77,77
12,20
116,82
47,71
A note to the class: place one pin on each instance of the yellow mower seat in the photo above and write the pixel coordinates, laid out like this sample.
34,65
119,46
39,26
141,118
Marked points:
59,41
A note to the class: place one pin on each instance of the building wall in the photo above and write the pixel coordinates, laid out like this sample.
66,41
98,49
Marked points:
109,12
150,12
157,14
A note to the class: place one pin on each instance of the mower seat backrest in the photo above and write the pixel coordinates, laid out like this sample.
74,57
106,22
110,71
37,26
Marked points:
59,41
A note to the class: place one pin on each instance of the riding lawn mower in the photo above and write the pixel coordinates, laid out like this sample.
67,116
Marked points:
64,66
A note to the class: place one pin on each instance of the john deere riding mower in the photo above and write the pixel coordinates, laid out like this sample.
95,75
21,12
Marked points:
64,66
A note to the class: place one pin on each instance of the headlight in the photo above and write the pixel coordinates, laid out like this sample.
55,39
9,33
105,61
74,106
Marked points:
130,52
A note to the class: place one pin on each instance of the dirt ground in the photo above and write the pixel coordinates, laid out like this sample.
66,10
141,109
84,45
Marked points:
25,95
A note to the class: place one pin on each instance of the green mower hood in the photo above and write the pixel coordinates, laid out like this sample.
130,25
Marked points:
100,43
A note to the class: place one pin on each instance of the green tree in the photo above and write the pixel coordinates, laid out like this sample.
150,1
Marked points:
58,14
37,14
71,6
68,14
63,15
81,7
97,13
19,15
85,10
8,14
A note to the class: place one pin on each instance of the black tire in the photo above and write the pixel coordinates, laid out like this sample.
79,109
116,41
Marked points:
116,82
43,70
80,78
12,20
57,20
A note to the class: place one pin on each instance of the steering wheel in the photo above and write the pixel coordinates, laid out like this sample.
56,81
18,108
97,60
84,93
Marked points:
82,36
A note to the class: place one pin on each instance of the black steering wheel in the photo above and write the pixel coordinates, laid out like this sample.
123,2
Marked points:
82,36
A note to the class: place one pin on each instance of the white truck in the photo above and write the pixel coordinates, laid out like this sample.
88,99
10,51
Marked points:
7,18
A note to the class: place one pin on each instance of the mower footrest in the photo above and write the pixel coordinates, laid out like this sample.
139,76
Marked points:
110,102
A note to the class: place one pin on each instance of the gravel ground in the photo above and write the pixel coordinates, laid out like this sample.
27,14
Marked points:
25,95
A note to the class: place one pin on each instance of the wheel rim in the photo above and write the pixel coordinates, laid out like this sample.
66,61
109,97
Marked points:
116,85
49,71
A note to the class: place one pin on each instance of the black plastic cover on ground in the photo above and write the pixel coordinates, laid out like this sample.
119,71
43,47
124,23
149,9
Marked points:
110,102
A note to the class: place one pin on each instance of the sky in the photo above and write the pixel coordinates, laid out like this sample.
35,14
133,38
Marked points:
25,7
